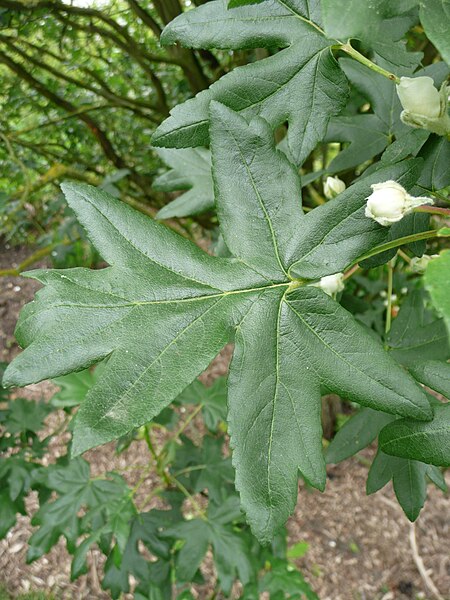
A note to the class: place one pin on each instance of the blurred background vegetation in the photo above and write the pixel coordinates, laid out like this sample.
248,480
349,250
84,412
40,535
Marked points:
83,85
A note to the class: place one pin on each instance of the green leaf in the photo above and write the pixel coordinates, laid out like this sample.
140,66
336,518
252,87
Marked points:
437,282
26,415
434,374
236,3
16,474
406,145
3,392
368,134
352,18
266,243
436,154
213,399
10,508
217,471
427,442
74,387
435,475
297,550
106,505
356,434
190,170
417,334
435,15
59,517
303,74
231,552
164,309
408,478
283,577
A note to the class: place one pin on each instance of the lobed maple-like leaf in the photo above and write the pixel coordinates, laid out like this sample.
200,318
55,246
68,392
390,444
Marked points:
164,309
301,84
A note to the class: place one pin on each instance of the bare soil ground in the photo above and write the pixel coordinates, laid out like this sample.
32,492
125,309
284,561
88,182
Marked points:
359,546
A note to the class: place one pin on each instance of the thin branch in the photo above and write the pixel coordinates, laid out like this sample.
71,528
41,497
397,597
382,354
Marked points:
132,50
93,126
105,92
32,259
420,565
145,17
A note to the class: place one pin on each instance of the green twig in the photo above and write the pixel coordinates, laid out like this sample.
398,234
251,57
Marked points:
33,258
200,512
157,457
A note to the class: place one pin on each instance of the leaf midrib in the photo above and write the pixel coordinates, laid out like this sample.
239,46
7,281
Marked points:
304,19
426,434
176,300
343,359
261,203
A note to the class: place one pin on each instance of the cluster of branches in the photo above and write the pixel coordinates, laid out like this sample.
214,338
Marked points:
80,74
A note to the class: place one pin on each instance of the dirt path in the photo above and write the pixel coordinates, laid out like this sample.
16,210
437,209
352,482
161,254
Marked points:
359,546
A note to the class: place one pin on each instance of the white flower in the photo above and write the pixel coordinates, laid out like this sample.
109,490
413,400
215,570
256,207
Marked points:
424,106
390,202
332,187
419,265
331,284
419,96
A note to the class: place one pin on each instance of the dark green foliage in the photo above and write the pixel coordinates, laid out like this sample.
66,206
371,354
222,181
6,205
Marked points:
284,109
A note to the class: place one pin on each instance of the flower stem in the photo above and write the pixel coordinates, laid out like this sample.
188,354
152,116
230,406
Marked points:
347,48
188,420
390,266
404,256
433,210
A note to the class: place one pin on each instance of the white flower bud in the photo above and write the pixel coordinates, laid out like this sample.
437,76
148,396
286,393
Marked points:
331,284
419,265
424,106
389,203
419,96
332,187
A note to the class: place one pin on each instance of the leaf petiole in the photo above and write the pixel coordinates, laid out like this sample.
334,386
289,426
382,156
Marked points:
408,239
348,49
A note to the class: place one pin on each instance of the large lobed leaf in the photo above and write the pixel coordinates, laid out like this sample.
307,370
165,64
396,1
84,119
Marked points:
164,309
302,84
